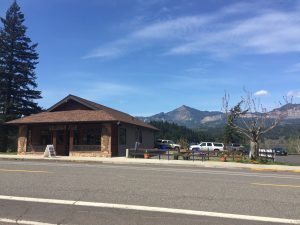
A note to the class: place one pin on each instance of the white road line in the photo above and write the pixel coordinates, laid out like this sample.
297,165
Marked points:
23,222
152,209
164,169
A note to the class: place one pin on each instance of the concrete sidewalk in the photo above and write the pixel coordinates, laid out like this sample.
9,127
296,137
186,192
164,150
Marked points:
139,161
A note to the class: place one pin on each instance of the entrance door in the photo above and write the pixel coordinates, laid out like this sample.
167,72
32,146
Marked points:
62,142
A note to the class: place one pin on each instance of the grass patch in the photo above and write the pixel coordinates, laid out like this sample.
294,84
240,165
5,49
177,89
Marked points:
261,162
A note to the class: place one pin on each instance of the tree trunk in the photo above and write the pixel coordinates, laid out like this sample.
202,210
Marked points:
253,154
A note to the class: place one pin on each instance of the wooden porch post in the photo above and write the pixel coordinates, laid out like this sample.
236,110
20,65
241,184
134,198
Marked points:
54,139
71,140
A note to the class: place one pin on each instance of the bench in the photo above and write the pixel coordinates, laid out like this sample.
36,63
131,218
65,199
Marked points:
192,154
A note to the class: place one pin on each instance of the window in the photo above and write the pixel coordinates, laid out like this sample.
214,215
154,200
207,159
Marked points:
46,138
87,136
218,144
140,136
209,144
203,144
122,136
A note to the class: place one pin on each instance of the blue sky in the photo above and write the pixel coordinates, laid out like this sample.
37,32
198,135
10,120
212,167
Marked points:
145,57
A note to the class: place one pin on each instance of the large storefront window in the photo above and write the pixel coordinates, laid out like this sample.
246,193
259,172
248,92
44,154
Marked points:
122,136
87,136
46,137
138,135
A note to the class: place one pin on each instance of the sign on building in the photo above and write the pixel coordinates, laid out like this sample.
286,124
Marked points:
50,151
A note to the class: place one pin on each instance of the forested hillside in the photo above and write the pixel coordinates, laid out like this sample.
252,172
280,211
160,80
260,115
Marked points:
175,132
283,135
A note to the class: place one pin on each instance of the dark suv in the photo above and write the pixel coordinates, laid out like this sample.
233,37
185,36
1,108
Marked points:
280,151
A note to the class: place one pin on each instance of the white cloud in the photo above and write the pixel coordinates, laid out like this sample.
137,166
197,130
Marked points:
272,32
104,53
261,93
94,91
176,28
106,89
241,28
294,94
110,50
294,68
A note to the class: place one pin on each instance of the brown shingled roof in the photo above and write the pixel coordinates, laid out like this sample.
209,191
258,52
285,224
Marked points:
98,113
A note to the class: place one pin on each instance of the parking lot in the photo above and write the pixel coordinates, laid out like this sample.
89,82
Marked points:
290,159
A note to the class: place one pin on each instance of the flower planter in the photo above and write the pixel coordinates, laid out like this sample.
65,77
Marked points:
223,159
238,159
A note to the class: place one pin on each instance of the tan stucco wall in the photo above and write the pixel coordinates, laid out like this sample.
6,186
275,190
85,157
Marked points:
147,134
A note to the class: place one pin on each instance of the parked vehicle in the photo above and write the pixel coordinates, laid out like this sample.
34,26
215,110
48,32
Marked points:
167,144
192,143
280,151
208,146
235,147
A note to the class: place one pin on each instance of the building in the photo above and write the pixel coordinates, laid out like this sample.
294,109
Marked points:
78,127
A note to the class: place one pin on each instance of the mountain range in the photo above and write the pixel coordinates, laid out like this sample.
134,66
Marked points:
194,118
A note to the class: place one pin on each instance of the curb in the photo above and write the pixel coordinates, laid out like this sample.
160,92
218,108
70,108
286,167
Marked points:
274,170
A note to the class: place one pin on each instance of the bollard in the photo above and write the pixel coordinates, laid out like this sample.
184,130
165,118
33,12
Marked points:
127,153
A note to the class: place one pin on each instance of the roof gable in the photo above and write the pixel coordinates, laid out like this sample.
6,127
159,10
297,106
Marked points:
71,102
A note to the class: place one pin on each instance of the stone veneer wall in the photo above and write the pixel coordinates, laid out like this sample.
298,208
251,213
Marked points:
89,154
106,139
22,140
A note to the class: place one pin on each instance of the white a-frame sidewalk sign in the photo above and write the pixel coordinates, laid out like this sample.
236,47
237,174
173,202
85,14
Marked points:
50,151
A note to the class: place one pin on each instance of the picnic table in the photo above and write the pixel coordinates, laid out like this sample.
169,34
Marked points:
192,154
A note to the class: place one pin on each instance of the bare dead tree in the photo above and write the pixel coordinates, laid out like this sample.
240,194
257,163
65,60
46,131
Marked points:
251,119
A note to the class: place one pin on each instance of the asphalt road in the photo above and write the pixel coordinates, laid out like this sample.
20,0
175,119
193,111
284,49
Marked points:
216,193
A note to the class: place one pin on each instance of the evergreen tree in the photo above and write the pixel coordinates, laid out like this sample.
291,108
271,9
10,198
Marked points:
231,135
18,60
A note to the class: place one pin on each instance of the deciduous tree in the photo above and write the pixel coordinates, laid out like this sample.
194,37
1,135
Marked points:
251,119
